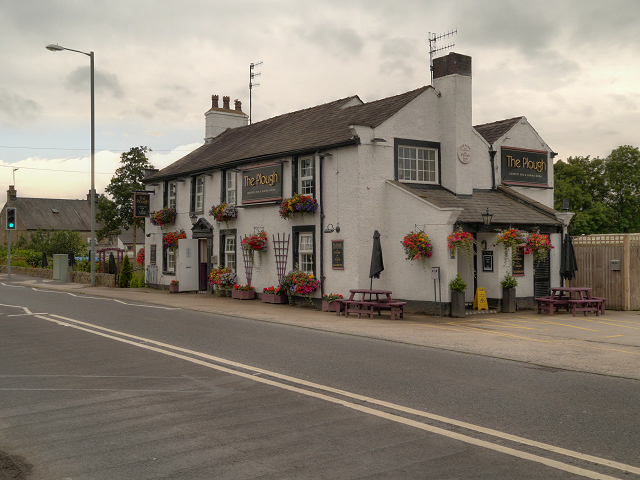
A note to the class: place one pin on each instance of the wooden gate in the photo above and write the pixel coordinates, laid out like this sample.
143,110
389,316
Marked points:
599,257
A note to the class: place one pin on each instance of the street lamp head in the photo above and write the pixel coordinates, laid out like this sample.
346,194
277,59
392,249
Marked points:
55,48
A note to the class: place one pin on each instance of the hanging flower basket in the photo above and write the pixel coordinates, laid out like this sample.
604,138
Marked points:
170,240
463,242
255,243
510,239
299,283
224,212
166,216
417,246
539,245
297,204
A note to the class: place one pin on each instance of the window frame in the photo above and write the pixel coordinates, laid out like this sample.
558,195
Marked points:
297,232
195,195
417,145
224,234
172,185
297,179
231,175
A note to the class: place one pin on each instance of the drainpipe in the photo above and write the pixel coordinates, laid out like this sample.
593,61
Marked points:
492,156
320,161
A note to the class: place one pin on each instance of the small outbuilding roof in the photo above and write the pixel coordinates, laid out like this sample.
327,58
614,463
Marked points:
506,205
53,213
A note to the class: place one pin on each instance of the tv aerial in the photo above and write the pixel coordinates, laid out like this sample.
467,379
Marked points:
433,46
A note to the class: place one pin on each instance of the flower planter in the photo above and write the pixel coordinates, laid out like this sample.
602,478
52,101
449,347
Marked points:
274,298
508,300
331,307
174,289
457,304
243,294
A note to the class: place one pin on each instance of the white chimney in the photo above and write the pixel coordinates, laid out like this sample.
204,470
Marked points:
218,119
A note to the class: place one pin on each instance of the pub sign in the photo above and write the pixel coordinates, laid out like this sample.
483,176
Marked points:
262,183
527,167
141,202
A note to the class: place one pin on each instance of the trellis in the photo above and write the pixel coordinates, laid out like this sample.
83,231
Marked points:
281,249
248,264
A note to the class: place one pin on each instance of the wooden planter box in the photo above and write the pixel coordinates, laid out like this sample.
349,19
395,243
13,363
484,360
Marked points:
274,298
509,300
243,294
457,304
174,289
334,306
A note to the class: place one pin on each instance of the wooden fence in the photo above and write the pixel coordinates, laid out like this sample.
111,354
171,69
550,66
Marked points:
595,253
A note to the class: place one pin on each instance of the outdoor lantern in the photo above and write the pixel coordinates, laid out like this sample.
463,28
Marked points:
194,218
487,216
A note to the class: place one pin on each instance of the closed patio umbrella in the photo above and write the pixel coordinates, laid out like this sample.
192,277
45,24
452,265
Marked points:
113,268
44,260
568,263
377,264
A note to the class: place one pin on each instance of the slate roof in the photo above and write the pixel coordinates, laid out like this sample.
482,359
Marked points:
37,213
305,130
506,205
494,130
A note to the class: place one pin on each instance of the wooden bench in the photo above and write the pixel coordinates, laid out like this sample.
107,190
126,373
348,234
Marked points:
548,304
359,307
396,308
586,305
600,300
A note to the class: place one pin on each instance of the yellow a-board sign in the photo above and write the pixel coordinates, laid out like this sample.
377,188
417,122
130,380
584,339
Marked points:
480,300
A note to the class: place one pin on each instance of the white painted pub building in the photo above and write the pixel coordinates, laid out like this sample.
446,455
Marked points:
400,164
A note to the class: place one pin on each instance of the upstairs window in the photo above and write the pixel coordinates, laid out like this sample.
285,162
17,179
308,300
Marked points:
306,176
417,164
230,252
171,194
198,202
230,192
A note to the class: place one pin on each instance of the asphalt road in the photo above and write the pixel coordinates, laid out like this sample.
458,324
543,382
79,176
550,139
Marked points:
142,391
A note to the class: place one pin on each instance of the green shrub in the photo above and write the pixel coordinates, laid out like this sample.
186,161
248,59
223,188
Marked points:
509,282
134,281
142,282
125,273
457,284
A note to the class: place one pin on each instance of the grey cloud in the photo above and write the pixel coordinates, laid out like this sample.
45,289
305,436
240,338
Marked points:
338,41
79,80
398,66
15,109
399,47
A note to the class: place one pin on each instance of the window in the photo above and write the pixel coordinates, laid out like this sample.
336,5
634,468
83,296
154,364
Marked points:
303,243
230,193
305,252
198,203
171,194
230,252
306,176
417,164
171,260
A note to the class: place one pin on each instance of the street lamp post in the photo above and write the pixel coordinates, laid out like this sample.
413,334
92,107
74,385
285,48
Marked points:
92,256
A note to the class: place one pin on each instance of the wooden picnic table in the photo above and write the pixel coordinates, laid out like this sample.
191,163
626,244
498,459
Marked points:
579,299
365,303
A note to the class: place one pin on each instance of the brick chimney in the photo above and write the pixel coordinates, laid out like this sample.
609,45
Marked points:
12,193
218,120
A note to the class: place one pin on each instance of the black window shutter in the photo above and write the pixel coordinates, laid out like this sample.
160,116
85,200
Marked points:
313,180
165,194
164,258
223,186
296,249
193,194
294,176
222,242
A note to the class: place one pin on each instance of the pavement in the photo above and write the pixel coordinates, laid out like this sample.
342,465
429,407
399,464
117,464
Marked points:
608,344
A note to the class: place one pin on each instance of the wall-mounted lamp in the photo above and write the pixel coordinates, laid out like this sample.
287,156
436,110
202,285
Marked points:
149,234
194,218
330,228
486,217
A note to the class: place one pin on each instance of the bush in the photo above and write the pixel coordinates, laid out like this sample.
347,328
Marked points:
125,273
457,284
141,280
134,281
509,282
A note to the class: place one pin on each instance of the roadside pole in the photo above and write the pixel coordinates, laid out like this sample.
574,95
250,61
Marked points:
9,255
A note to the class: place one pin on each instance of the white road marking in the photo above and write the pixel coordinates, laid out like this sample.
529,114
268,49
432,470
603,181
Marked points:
161,348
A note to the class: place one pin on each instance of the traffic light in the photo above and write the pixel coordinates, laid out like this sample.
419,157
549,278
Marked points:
11,218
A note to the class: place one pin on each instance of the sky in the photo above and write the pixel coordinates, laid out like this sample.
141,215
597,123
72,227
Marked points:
570,66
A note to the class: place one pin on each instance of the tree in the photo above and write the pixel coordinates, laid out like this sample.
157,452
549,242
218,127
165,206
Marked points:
107,215
582,181
127,179
57,241
623,181
125,273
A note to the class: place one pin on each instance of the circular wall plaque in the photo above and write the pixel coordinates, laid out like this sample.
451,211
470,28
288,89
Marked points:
464,153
